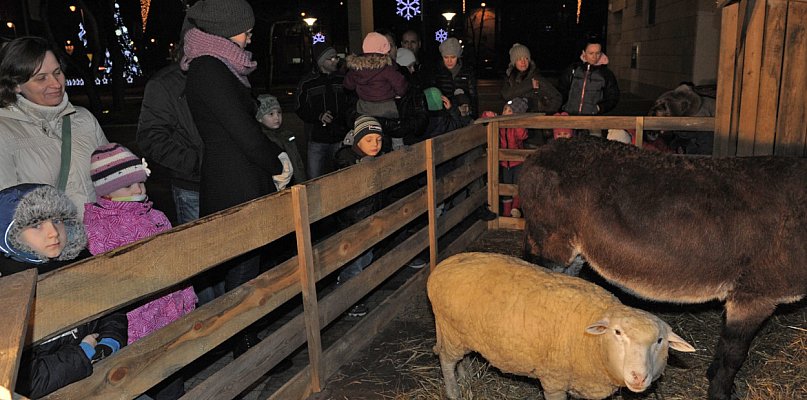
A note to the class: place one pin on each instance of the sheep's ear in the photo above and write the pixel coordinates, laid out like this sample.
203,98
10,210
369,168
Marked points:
597,328
677,343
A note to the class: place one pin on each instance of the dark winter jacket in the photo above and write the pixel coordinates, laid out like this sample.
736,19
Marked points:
318,92
465,79
238,160
374,77
62,360
345,157
166,132
545,99
445,121
413,117
589,87
287,141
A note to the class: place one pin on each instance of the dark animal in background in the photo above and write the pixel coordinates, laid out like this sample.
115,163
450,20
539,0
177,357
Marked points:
676,229
686,101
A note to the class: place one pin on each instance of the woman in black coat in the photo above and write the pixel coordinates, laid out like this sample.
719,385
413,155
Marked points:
238,160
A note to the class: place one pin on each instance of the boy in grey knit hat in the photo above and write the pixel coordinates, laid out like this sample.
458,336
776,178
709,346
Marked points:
270,115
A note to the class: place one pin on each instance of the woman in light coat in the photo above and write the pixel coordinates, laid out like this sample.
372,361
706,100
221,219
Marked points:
33,109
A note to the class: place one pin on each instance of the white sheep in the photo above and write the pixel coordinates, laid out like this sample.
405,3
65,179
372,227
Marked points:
572,335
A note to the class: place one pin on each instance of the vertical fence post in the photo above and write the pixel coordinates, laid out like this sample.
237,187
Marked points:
639,131
17,296
431,201
493,171
305,257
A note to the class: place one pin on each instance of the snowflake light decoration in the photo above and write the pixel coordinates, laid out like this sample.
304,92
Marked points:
408,8
318,38
440,36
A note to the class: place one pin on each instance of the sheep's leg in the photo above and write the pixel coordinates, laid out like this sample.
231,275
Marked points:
553,393
743,320
462,368
576,265
448,364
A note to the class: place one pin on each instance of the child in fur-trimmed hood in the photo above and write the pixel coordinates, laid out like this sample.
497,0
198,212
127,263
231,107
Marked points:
41,230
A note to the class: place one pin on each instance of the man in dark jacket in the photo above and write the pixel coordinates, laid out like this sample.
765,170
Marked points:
167,135
321,102
589,86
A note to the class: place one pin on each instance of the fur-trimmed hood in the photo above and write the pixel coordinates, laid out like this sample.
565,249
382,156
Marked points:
368,61
28,203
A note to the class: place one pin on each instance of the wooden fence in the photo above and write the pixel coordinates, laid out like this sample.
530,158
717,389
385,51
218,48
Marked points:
535,121
70,296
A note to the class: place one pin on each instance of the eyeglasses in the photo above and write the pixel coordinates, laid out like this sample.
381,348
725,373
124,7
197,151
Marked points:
249,33
334,58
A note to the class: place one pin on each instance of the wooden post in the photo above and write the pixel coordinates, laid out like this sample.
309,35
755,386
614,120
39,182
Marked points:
308,281
431,201
16,295
493,171
639,131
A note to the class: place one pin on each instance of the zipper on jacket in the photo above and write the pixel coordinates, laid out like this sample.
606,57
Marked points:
583,92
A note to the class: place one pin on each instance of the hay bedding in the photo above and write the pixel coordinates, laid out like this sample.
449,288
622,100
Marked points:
399,364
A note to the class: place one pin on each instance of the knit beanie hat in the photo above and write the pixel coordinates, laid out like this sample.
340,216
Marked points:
518,105
405,57
375,42
266,103
363,126
451,47
519,51
433,100
461,98
114,167
225,18
322,52
27,204
562,131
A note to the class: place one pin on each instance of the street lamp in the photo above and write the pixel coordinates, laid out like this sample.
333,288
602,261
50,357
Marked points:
12,26
449,16
310,21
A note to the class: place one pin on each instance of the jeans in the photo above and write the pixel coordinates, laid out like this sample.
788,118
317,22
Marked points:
320,158
187,204
355,267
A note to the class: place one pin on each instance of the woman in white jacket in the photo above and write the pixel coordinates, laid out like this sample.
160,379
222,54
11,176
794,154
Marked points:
33,109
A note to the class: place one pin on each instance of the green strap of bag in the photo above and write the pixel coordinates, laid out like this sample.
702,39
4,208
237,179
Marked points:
67,144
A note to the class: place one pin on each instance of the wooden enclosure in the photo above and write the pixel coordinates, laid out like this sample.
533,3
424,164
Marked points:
67,297
761,99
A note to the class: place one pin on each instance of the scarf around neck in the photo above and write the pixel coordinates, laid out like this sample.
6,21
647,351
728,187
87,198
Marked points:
47,117
238,60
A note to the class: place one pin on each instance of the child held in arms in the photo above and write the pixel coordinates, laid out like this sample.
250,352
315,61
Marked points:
41,229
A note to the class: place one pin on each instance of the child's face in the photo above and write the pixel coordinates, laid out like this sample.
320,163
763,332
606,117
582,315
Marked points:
46,238
273,119
464,109
450,61
507,110
134,189
370,144
564,135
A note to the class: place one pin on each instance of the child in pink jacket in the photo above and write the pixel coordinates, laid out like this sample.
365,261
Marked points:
121,215
510,138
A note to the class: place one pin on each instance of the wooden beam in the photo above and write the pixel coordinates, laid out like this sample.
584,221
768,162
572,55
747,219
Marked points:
16,296
791,128
725,78
493,171
749,94
533,121
308,282
431,206
770,78
639,135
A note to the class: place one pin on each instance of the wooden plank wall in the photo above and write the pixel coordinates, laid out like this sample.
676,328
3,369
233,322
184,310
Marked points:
761,101
67,296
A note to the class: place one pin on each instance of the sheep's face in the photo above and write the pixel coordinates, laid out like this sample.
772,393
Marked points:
635,345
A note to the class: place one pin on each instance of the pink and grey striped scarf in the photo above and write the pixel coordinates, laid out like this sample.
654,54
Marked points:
238,60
